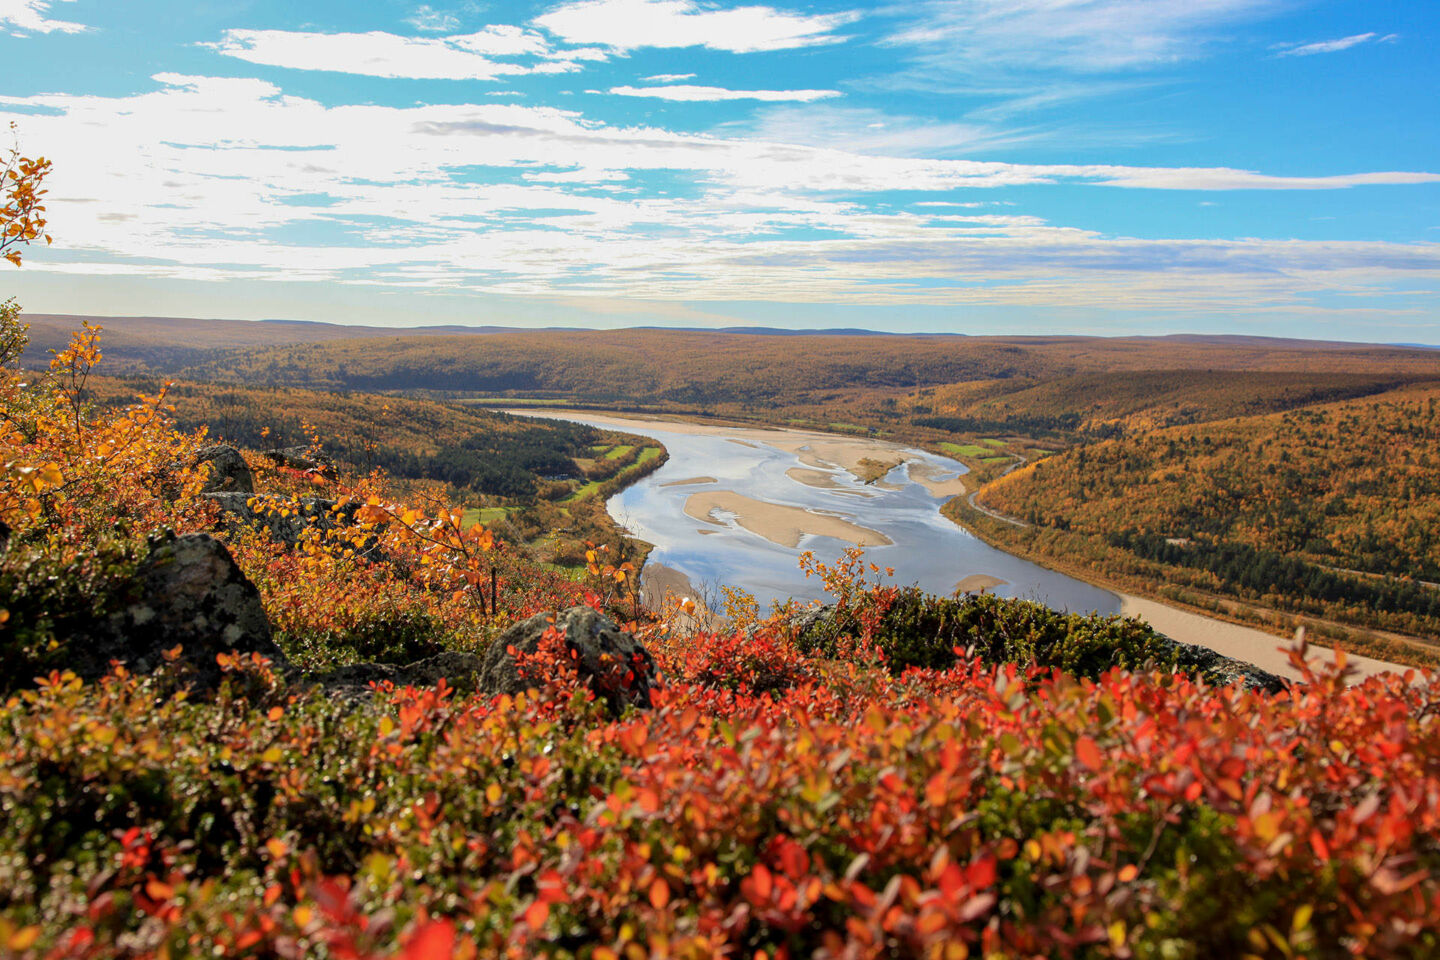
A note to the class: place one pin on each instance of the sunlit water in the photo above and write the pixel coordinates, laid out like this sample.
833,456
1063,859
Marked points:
928,549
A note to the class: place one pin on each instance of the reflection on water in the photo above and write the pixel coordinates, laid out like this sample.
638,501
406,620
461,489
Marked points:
928,550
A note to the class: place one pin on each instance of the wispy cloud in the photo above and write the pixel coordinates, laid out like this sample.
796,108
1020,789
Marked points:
379,54
668,78
689,93
33,16
632,24
1081,36
1331,46
430,20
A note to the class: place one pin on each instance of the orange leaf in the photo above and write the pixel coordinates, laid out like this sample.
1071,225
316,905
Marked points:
659,894
1088,753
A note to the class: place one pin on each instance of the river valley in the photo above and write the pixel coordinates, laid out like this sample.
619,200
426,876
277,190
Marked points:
737,506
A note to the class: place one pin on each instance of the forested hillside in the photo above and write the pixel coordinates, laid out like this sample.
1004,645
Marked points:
1286,507
1019,383
543,481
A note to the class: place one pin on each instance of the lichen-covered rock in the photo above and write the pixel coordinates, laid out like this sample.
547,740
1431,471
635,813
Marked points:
226,470
187,593
1221,671
459,670
302,458
618,667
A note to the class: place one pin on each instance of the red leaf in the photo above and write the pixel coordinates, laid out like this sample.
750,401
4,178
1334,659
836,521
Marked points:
434,941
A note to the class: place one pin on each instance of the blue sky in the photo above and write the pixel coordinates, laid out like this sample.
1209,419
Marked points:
977,166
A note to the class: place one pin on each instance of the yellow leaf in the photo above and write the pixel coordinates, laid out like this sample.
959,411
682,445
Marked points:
24,938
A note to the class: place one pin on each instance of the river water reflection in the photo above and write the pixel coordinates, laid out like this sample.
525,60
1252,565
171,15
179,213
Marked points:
927,549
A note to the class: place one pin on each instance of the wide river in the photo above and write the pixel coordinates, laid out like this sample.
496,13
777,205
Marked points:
783,469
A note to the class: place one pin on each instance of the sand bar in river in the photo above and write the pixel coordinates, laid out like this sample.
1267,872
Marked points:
939,482
979,583
689,481
823,480
779,523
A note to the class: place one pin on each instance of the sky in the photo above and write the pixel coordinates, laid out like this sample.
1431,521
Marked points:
1109,167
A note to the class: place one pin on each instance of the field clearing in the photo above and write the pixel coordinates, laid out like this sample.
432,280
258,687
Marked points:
965,449
484,515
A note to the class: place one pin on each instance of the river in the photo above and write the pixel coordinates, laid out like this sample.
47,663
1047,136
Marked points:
745,489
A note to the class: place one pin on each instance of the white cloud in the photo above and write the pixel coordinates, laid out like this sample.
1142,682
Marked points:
32,15
698,94
430,20
207,178
379,54
631,24
668,78
1331,46
1084,36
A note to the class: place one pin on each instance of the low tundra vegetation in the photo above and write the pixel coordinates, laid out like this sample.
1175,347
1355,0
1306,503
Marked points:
922,777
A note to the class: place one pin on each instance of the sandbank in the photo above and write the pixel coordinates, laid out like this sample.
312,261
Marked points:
688,481
979,583
778,523
932,477
823,480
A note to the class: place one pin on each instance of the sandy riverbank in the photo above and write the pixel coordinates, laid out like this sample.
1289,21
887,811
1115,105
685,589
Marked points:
661,586
777,522
1232,640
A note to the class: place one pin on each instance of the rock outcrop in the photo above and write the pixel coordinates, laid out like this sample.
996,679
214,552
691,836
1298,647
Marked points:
301,458
188,593
227,470
1221,671
619,668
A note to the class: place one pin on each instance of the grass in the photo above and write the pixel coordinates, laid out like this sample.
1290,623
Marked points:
485,515
995,459
965,449
992,442
618,451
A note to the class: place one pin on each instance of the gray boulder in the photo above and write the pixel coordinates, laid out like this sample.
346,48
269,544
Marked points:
619,668
226,470
188,593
